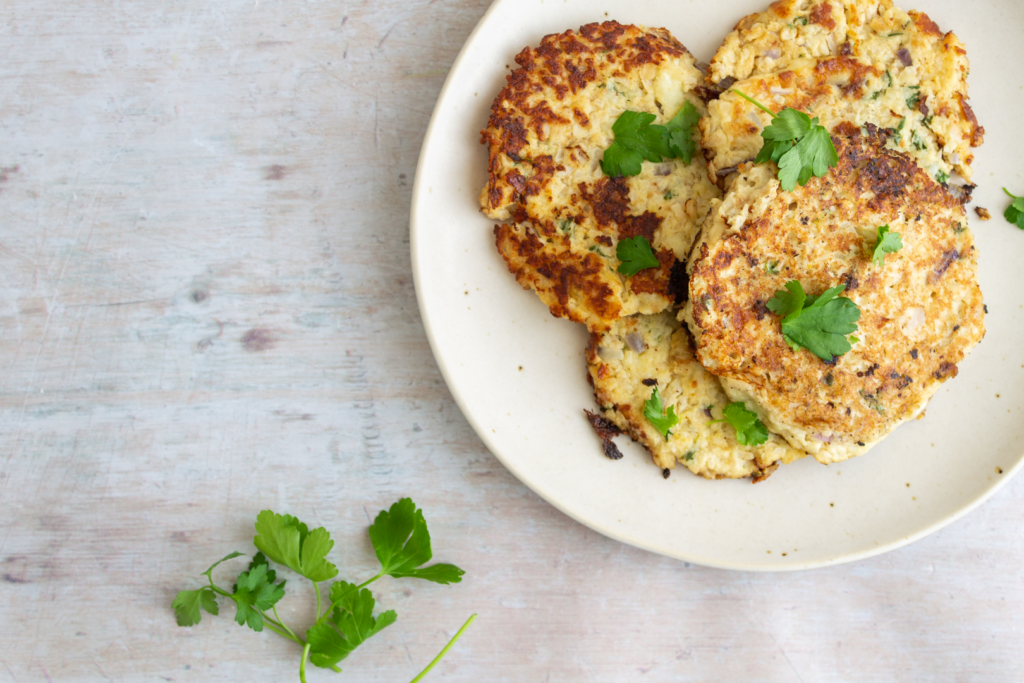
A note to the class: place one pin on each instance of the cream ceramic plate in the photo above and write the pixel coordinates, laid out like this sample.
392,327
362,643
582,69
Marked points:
520,378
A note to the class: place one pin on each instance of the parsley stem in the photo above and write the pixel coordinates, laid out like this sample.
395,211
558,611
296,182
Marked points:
302,665
754,102
316,589
443,652
276,627
284,625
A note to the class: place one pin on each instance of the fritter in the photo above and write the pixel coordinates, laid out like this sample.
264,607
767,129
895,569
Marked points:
642,352
546,136
861,61
921,310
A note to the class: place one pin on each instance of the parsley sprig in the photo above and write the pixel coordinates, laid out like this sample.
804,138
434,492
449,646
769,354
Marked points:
1015,211
817,323
797,143
637,137
886,243
750,431
663,419
402,543
636,254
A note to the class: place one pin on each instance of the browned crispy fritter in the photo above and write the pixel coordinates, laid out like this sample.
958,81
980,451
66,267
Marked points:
546,135
921,310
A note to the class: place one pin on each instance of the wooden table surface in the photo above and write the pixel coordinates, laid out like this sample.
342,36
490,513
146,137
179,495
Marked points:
206,309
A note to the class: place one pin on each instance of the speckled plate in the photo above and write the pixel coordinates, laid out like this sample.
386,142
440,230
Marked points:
519,375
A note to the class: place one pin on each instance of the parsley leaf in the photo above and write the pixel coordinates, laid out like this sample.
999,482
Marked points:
818,324
680,132
663,420
187,605
750,431
637,138
1015,211
255,593
636,255
288,541
353,617
402,543
797,143
887,243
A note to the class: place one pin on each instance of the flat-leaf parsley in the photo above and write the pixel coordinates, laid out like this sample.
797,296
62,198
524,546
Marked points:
402,544
819,324
636,255
663,419
886,243
797,143
637,137
1015,211
750,431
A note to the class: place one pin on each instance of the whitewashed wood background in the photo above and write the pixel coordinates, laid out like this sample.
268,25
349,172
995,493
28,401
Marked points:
206,309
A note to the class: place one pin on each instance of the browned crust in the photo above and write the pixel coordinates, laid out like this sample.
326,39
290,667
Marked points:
925,23
861,395
822,15
571,288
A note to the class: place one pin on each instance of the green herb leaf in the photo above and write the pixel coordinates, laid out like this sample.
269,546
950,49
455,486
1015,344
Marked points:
886,243
636,255
637,138
797,143
680,132
402,543
942,177
255,593
187,605
750,431
1015,211
286,540
663,420
353,617
818,324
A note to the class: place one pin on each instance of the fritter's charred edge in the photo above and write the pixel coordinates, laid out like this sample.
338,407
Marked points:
605,430
679,283
765,473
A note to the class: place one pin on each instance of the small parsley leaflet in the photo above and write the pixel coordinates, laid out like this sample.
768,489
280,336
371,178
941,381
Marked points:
797,143
636,255
886,243
661,418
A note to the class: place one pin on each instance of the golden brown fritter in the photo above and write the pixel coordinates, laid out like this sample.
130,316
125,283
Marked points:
642,352
861,61
546,136
921,310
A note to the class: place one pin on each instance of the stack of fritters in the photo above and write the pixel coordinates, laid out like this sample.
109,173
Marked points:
891,89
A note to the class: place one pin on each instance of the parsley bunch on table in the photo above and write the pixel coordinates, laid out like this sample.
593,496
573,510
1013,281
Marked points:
402,543
637,137
817,323
797,143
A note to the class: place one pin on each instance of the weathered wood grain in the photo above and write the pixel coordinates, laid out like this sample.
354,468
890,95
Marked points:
206,309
